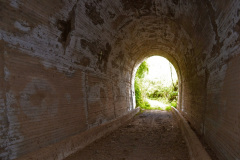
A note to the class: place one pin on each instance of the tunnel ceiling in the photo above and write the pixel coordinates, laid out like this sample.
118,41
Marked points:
186,30
179,29
142,26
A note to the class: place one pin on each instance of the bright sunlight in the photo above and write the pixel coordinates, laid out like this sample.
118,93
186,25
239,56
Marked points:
159,70
156,84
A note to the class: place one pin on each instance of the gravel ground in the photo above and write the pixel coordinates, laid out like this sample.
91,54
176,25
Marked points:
151,135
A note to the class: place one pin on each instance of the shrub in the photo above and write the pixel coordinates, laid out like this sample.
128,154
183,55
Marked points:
168,108
174,104
163,93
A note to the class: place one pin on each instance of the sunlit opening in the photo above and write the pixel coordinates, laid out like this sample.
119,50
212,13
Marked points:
156,84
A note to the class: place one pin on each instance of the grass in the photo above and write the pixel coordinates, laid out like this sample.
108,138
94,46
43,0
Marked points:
158,104
149,107
168,108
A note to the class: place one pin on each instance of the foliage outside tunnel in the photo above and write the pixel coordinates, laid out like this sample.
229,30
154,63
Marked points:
152,93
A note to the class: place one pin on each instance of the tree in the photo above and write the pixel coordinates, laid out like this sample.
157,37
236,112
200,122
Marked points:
140,74
142,70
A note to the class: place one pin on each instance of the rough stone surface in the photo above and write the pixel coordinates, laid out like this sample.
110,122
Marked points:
67,66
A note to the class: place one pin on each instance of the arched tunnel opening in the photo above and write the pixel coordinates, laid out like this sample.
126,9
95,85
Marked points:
66,71
155,84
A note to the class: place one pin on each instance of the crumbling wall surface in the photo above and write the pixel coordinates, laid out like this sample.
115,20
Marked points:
54,81
211,85
222,114
3,110
66,66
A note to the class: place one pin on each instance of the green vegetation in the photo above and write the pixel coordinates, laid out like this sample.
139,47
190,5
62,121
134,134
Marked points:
167,95
147,90
140,97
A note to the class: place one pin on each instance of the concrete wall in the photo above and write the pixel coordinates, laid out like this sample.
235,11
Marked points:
66,66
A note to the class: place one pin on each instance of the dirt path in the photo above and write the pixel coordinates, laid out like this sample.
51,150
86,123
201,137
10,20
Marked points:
152,135
156,104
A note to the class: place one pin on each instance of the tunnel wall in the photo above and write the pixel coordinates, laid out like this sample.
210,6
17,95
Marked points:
55,81
210,89
66,67
221,127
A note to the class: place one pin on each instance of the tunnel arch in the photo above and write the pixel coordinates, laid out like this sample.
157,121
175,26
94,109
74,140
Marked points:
165,37
167,57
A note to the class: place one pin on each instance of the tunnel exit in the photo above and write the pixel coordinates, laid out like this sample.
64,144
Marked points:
156,84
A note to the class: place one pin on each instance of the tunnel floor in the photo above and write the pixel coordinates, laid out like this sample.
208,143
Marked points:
151,135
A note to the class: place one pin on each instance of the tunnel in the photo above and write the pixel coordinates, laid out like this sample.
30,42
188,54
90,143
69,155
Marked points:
67,69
